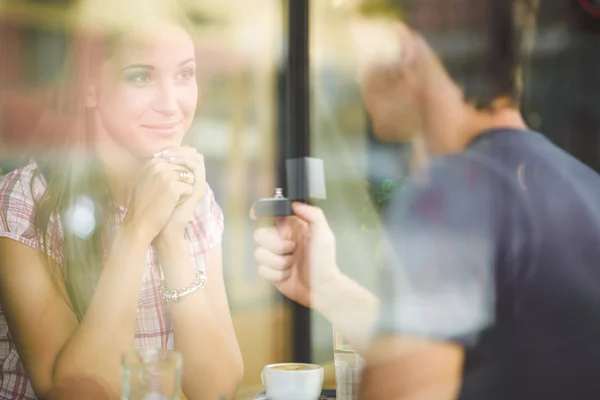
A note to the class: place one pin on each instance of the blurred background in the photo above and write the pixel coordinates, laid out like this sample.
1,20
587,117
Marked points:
242,64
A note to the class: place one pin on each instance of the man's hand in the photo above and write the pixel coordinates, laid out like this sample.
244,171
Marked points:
298,255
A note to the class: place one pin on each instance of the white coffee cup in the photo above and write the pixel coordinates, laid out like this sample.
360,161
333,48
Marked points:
292,381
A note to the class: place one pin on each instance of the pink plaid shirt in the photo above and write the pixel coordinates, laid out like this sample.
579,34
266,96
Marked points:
153,330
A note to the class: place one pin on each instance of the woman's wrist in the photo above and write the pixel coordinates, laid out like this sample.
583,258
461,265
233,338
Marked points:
173,256
170,243
134,236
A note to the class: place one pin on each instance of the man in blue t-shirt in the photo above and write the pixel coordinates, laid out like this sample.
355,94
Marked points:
492,283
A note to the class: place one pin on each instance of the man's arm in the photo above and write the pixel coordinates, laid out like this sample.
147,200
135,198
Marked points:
439,292
352,309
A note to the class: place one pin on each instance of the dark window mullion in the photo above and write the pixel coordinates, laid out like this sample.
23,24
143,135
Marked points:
294,137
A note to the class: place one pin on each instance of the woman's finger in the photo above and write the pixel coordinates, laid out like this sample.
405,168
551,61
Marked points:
187,176
182,190
195,163
190,160
175,153
166,171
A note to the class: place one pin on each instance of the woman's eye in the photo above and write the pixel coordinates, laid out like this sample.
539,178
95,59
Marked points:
139,77
186,75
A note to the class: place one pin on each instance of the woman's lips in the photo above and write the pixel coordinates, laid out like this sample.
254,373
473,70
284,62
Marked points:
164,129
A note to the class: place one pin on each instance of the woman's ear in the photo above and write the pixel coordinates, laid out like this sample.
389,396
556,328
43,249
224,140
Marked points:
91,96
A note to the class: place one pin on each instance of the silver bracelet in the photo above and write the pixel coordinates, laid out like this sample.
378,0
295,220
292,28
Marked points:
176,294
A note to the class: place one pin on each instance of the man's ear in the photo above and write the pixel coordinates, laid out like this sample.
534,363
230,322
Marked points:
408,42
91,96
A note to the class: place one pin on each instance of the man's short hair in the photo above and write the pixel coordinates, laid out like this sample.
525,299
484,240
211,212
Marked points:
484,44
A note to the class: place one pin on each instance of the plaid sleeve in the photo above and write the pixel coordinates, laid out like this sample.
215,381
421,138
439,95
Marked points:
17,208
212,220
208,223
205,231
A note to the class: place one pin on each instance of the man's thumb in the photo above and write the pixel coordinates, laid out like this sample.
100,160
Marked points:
313,215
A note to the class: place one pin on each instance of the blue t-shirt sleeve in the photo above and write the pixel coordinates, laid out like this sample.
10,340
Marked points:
441,244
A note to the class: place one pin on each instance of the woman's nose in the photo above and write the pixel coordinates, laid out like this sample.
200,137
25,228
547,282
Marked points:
166,99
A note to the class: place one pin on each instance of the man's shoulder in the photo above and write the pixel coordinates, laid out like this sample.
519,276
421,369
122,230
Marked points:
464,176
511,160
509,149
532,163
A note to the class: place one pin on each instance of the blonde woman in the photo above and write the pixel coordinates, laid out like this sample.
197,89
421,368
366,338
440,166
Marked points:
99,234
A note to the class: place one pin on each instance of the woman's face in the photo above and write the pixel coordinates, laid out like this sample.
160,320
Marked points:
145,94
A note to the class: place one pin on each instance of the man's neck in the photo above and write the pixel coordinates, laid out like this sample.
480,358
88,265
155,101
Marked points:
508,118
452,138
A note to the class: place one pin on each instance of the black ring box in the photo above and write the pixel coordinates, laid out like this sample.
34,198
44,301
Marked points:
305,182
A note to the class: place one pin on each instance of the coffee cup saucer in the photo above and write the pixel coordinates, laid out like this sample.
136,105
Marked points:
326,394
263,397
